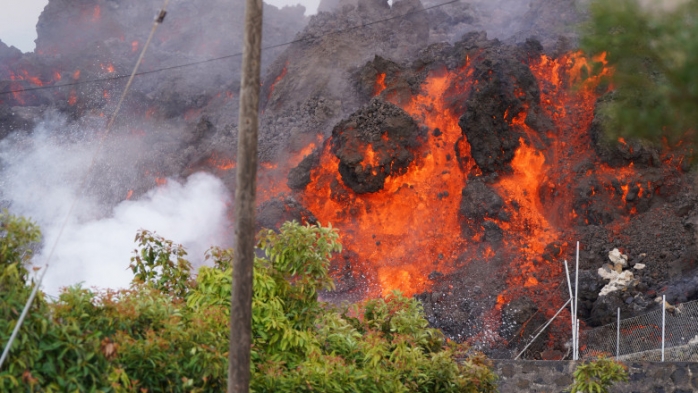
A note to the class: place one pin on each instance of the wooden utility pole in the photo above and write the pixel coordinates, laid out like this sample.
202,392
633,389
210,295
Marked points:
241,305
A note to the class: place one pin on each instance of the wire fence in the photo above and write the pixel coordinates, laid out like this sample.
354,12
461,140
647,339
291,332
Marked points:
640,338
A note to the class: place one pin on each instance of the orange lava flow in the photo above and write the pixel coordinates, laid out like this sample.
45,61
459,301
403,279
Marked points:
380,84
24,75
410,228
278,79
224,164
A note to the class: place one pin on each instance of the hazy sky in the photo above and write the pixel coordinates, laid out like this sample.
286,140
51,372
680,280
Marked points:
18,19
18,22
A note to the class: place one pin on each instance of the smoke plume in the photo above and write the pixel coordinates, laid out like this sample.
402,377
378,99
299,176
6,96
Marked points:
40,178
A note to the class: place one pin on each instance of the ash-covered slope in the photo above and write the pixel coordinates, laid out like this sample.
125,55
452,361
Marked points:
90,39
181,118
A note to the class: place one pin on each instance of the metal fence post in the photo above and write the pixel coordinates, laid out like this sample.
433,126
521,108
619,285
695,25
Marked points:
618,335
576,304
577,337
572,319
663,322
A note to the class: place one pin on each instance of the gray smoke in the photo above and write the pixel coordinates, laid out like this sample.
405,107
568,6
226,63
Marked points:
40,176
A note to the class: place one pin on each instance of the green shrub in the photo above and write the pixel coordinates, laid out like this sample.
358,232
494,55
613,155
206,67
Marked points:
598,376
169,332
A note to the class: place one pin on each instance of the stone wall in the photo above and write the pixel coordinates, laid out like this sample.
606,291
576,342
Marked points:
556,376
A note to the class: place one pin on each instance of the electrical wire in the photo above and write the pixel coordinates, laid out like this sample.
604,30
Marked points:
158,21
119,77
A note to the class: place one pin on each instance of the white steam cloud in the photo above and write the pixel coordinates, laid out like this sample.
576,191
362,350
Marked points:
39,178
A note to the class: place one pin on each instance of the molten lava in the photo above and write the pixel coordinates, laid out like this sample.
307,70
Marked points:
380,84
411,228
221,163
277,80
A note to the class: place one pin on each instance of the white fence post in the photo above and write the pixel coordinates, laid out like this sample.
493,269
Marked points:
618,335
572,319
577,337
576,299
663,322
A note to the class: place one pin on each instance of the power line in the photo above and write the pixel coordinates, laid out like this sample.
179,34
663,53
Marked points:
119,77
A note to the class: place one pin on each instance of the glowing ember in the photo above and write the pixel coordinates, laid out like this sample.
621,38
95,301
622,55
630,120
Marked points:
278,79
73,98
380,84
134,46
223,164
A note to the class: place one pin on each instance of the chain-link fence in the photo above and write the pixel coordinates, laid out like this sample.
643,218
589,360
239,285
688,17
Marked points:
641,337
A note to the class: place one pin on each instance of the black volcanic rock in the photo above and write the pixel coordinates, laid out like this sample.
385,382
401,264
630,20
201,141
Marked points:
274,212
374,143
504,89
299,177
310,85
515,316
479,201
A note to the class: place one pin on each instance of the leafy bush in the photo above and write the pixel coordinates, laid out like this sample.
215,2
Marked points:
169,332
653,51
598,376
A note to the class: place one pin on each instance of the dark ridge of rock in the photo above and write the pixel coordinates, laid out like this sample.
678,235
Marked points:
605,309
516,316
590,283
457,302
299,177
373,143
274,212
480,202
318,90
493,233
82,40
8,56
367,76
506,88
